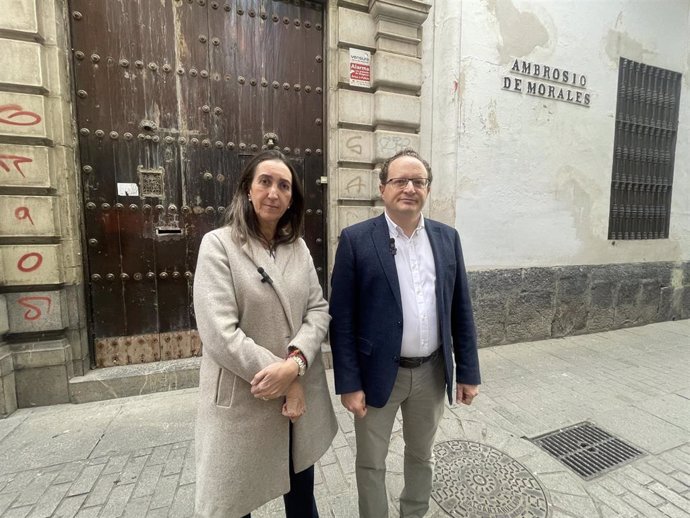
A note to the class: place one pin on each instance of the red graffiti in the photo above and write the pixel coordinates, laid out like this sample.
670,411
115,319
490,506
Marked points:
38,259
23,213
27,118
16,160
33,312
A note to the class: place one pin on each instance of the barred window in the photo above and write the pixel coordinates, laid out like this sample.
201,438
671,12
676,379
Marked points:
644,151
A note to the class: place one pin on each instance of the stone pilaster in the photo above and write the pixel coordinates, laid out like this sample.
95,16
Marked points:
39,242
371,123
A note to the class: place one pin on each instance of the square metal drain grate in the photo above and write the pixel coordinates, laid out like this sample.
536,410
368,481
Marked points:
587,449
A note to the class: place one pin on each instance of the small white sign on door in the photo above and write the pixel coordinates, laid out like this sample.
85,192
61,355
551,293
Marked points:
127,189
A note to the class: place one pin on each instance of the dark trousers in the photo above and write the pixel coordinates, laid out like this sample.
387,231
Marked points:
300,501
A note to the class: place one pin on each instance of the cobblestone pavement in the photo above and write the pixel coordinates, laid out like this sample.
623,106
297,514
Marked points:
134,457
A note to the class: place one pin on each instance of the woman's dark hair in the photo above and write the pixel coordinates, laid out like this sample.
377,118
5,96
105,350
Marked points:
241,216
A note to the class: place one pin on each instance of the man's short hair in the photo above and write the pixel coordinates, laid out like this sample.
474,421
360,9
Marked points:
383,173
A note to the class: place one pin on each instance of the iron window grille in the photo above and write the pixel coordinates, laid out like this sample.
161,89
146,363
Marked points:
644,151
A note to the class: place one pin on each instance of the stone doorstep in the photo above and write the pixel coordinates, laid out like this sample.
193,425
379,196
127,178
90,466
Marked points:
134,380
145,378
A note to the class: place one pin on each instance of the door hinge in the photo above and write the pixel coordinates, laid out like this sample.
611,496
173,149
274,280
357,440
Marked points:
323,180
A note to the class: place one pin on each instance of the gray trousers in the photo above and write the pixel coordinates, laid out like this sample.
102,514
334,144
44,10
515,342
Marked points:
419,393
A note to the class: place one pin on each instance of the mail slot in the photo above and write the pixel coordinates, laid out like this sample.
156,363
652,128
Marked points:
168,231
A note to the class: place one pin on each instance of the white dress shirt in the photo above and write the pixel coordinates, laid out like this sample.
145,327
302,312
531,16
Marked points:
414,262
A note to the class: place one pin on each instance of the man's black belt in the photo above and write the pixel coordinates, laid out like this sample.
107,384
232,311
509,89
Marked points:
413,363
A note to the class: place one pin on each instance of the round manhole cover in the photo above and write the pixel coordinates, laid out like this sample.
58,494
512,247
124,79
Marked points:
473,480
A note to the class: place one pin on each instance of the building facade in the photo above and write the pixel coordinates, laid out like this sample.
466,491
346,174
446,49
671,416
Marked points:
557,133
546,120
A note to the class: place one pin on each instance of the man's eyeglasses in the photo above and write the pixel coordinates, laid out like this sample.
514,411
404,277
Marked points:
401,183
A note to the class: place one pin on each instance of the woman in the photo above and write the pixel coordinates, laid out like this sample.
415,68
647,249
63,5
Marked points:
262,317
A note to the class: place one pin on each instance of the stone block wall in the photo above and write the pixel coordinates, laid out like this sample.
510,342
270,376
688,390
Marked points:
41,329
369,124
525,304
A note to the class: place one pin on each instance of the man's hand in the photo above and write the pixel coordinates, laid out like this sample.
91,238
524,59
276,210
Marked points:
355,402
295,405
466,393
274,380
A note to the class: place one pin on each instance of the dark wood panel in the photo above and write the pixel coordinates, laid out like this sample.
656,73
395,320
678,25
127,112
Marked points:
176,108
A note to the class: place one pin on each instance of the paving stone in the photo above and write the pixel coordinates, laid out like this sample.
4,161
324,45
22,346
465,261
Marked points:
6,500
345,422
346,459
674,459
70,506
115,464
638,490
563,483
161,512
606,512
334,479
672,511
33,492
69,473
147,481
165,492
188,470
144,452
575,504
17,512
680,454
86,480
339,440
670,496
638,476
159,455
117,501
49,501
611,500
318,476
132,469
671,408
19,482
137,508
175,461
183,504
328,458
663,478
102,489
682,477
89,512
642,506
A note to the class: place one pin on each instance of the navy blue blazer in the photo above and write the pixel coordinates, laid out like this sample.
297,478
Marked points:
366,310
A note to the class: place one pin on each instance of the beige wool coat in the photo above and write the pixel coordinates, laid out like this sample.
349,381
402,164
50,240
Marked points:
245,325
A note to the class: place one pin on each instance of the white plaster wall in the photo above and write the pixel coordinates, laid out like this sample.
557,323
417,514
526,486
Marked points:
533,175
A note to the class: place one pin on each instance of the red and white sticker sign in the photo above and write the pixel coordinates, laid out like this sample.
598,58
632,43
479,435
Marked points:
360,68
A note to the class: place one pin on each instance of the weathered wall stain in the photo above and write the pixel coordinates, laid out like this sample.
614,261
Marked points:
490,120
619,43
520,32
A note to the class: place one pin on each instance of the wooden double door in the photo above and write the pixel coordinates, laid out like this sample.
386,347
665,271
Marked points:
173,97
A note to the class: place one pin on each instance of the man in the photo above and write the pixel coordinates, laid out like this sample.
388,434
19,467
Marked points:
401,314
